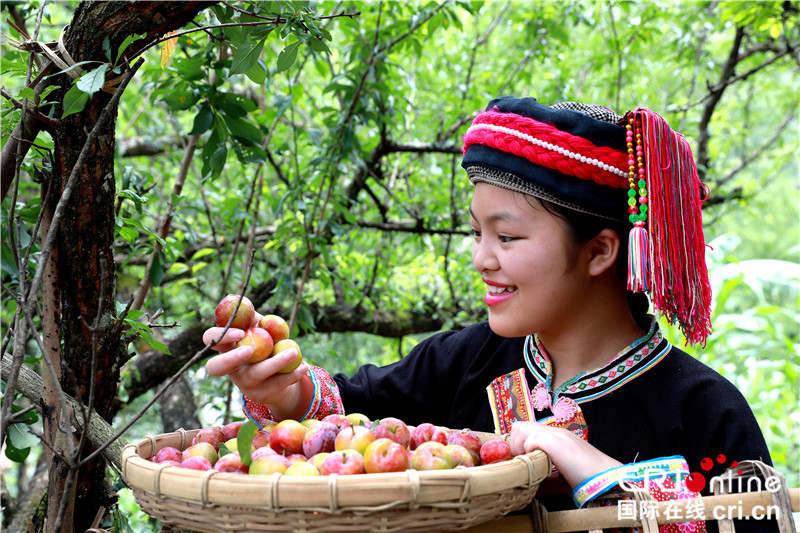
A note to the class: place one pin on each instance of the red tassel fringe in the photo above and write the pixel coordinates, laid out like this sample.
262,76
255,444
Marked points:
680,287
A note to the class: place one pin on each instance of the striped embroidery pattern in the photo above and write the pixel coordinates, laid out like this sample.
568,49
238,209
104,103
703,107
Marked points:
630,363
509,400
654,469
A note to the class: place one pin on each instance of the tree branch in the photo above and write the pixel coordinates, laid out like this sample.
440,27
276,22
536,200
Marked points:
390,146
276,166
29,385
755,154
276,21
712,99
35,113
163,231
139,146
410,227
391,44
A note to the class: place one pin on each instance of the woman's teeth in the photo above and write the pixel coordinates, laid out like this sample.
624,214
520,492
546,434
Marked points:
500,290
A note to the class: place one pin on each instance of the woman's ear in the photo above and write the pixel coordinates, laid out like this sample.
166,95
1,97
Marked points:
603,250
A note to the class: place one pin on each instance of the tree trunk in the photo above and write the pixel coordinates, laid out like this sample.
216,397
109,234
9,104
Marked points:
93,352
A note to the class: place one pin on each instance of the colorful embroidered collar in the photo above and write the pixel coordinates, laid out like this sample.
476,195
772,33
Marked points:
631,362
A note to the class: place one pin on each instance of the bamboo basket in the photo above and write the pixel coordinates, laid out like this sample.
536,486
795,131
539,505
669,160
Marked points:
392,502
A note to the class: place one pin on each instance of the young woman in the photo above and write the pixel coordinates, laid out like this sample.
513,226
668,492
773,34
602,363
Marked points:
576,213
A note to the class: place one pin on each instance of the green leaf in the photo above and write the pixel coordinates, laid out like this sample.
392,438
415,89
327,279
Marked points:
318,45
288,56
243,130
129,234
325,34
232,108
76,65
30,213
223,450
28,418
213,143
217,160
133,314
180,99
155,343
244,440
138,224
203,252
221,12
138,201
28,93
20,437
245,57
286,29
8,264
157,270
258,72
250,153
93,81
190,68
235,35
238,105
203,120
127,42
19,442
18,455
107,48
261,32
74,101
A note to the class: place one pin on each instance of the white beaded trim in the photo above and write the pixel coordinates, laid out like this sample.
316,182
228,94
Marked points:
549,146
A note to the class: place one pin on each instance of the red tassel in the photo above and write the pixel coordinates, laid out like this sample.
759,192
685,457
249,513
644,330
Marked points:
638,267
680,285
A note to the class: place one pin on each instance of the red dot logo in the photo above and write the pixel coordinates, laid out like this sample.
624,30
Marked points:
721,458
695,482
706,464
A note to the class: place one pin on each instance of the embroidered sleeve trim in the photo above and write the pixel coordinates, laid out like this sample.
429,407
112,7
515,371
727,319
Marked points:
254,419
326,400
510,400
674,467
316,398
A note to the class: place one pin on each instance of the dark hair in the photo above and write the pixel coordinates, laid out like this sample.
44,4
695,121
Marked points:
582,227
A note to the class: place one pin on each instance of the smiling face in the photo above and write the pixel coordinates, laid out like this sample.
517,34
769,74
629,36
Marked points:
532,269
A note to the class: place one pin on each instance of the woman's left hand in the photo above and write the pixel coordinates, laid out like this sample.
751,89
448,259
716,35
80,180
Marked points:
574,458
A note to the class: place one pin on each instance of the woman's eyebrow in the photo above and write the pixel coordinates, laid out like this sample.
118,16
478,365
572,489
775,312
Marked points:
501,216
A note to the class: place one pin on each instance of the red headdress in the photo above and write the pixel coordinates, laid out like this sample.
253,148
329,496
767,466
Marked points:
589,159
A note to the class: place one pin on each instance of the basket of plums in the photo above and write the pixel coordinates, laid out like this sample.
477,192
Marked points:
343,472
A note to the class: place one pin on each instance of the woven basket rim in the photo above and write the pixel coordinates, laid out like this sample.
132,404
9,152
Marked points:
335,493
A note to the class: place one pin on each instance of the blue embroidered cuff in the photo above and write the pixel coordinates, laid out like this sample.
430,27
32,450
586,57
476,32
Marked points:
247,413
653,469
313,406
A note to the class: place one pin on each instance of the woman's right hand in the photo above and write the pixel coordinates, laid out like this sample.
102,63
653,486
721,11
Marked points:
260,382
